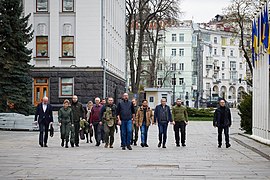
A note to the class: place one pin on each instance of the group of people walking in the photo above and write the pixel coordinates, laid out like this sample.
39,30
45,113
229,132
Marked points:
101,119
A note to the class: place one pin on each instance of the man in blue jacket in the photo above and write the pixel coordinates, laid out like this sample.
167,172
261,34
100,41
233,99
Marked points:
222,120
126,117
44,117
162,116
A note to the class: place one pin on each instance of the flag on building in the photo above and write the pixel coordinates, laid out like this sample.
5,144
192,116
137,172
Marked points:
266,28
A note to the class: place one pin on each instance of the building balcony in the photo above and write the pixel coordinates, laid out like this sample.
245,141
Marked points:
216,81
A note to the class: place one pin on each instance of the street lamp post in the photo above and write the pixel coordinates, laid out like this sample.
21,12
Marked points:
104,61
210,94
174,87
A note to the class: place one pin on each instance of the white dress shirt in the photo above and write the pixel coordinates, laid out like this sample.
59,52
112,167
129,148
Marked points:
44,106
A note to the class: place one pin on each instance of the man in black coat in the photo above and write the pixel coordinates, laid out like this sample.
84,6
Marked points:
222,120
44,117
78,114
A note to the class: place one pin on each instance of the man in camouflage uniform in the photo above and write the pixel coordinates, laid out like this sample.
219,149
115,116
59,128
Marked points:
78,114
108,117
180,120
65,119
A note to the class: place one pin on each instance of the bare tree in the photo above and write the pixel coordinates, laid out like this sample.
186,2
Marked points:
166,72
140,13
240,14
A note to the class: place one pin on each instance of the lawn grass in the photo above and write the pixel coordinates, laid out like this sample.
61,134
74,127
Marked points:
200,118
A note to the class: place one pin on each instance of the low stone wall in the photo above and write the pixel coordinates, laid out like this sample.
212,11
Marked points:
19,122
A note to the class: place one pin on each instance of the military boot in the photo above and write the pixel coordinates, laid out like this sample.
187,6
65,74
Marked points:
62,143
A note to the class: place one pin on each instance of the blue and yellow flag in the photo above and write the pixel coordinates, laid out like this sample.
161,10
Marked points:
266,28
253,42
255,39
261,27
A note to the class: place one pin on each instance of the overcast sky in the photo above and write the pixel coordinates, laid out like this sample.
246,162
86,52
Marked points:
202,10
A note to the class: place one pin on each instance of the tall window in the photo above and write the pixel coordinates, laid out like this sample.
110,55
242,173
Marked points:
42,46
160,67
233,66
215,40
173,52
42,5
181,37
223,65
173,66
223,76
174,37
68,5
181,52
233,75
67,46
160,52
173,81
215,51
66,86
231,53
223,52
181,81
241,65
181,66
159,82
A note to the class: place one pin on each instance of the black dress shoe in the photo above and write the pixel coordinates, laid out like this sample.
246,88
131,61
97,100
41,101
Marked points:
228,145
184,145
129,147
77,145
41,145
142,144
146,145
219,146
62,143
159,144
135,144
45,145
72,145
177,145
123,148
163,146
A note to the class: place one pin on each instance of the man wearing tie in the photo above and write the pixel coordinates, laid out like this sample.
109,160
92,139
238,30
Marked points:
44,118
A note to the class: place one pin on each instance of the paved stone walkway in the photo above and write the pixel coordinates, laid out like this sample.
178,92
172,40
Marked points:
22,158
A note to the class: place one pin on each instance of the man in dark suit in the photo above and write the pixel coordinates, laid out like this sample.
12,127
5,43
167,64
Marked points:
44,117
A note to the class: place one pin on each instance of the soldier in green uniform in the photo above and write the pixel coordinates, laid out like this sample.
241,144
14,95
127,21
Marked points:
108,115
78,114
65,119
180,120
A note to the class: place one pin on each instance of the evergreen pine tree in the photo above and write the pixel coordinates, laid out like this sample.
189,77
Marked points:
15,80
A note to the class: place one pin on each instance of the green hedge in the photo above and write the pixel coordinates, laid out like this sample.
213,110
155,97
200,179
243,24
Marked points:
207,112
200,118
245,112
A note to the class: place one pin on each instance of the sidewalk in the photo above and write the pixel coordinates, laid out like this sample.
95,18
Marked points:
22,158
